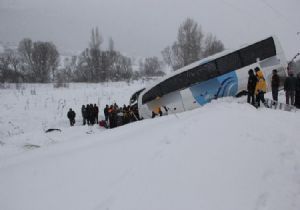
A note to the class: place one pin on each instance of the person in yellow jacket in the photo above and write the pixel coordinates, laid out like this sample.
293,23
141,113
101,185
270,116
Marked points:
156,111
260,88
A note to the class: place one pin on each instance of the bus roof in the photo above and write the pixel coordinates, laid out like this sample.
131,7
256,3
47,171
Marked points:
203,61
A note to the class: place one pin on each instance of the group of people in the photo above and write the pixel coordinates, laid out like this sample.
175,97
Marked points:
257,87
292,90
114,115
90,114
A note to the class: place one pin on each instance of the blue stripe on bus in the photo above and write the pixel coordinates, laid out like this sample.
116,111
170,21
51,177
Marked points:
205,91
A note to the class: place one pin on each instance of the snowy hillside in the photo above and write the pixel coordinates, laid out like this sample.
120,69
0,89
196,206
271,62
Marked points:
226,155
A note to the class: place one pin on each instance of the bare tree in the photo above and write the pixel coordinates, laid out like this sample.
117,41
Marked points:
121,68
96,65
152,66
95,56
4,67
25,49
167,55
45,58
39,60
189,40
83,71
10,66
111,45
212,45
189,46
110,58
66,74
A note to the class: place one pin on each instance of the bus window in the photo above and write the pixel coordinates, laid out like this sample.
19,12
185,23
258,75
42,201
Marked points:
201,73
152,94
261,50
174,83
183,80
168,86
211,69
229,63
197,75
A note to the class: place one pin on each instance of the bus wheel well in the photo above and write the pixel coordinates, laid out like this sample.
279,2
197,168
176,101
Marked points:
241,93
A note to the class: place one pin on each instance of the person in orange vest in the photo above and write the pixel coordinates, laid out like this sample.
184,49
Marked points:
156,111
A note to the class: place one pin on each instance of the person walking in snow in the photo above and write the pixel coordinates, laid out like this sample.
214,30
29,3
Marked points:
260,88
252,80
275,82
290,88
71,115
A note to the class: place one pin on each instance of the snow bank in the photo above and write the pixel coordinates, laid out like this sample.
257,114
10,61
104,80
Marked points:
226,155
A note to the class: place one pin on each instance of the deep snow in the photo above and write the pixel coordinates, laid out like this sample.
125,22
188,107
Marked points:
223,156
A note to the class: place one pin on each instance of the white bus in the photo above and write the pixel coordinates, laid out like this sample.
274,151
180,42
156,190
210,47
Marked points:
220,75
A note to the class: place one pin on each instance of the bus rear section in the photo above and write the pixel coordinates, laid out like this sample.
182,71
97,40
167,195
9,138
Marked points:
221,75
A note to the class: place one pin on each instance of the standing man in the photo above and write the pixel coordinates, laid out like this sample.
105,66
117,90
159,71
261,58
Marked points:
297,97
106,113
84,114
252,80
260,89
290,88
71,115
275,82
96,113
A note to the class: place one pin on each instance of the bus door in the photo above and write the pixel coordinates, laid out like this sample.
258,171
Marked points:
189,102
173,102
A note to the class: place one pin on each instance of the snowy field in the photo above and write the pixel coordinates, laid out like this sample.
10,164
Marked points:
29,110
226,155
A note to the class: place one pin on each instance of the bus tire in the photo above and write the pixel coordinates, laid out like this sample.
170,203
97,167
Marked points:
242,93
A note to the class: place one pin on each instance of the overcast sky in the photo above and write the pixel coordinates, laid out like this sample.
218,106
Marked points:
145,27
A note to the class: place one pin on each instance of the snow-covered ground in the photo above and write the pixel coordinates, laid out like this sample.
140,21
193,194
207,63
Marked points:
226,155
29,110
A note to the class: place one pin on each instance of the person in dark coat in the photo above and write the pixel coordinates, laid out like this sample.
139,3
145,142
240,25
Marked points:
71,115
88,110
275,82
106,113
112,116
92,114
290,88
96,113
252,80
84,114
297,97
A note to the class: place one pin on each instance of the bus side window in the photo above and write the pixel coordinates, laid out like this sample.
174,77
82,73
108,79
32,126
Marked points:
262,50
152,94
228,63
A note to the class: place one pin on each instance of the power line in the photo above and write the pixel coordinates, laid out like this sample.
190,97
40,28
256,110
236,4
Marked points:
279,14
